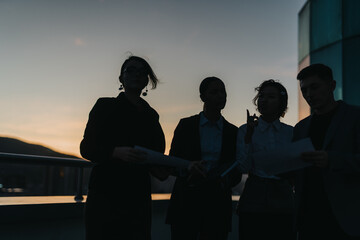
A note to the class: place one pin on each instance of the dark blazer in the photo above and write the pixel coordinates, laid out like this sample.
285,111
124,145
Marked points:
209,201
119,191
342,177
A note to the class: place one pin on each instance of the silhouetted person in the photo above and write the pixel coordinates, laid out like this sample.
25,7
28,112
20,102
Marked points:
200,205
118,205
328,193
267,203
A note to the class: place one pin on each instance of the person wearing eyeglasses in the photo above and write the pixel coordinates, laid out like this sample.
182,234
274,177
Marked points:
118,204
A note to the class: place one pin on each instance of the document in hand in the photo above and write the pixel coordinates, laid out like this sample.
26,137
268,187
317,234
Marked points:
286,158
156,158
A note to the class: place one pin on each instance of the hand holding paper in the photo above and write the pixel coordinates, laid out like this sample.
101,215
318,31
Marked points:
156,158
284,159
128,154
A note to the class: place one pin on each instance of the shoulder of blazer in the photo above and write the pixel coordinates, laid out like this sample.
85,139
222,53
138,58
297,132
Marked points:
229,125
154,114
102,105
186,139
111,102
300,127
151,110
193,121
351,109
193,118
303,122
105,101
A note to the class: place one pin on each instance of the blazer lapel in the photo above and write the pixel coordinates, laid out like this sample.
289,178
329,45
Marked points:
335,122
225,144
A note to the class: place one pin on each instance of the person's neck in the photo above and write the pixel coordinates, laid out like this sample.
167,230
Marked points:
269,118
327,108
133,97
212,115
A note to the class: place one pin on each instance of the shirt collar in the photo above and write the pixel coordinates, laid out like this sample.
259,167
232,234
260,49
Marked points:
263,125
204,121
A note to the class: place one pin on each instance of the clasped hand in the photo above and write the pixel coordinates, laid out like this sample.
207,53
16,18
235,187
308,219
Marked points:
196,170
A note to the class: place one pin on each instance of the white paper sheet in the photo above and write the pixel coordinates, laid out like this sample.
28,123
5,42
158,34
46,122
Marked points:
156,158
284,159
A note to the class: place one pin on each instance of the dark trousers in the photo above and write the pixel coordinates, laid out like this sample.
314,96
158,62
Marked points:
182,232
322,226
104,219
260,226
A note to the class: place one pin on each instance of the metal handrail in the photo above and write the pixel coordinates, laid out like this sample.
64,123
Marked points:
43,160
15,158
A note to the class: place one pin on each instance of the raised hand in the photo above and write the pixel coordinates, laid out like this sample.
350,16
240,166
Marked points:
251,123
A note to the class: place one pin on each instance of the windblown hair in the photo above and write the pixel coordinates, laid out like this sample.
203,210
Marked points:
282,92
150,73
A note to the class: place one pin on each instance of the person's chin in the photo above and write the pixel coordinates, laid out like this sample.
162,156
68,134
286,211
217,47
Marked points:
314,107
221,107
263,111
135,88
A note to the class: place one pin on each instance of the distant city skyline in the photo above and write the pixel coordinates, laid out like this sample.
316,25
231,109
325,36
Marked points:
58,57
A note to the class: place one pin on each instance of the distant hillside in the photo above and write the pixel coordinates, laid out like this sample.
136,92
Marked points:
12,145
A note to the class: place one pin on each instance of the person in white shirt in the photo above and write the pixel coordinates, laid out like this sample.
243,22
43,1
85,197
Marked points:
266,205
201,205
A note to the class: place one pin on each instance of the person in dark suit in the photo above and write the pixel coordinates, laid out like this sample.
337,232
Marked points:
201,204
118,204
266,204
328,192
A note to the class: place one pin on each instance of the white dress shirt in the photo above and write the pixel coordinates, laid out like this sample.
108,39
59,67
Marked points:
210,140
266,136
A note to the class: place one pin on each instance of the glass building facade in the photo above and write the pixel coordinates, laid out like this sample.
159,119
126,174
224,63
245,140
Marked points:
329,33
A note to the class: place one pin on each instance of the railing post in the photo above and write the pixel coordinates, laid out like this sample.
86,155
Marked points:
79,196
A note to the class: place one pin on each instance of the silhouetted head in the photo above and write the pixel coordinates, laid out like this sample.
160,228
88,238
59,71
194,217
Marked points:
213,93
271,98
317,86
320,70
136,73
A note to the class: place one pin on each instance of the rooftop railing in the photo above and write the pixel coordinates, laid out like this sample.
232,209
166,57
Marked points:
51,161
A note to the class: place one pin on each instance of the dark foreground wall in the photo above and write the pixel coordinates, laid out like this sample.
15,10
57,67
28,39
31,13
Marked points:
65,221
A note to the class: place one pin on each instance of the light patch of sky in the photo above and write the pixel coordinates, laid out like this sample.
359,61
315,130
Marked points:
58,57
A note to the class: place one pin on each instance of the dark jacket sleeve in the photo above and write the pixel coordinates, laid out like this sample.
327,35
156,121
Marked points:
177,143
178,148
160,172
96,145
158,135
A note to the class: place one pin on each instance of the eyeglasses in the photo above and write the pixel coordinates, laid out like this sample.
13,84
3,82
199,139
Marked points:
134,70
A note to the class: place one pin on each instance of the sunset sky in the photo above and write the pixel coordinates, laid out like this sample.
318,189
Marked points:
58,57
